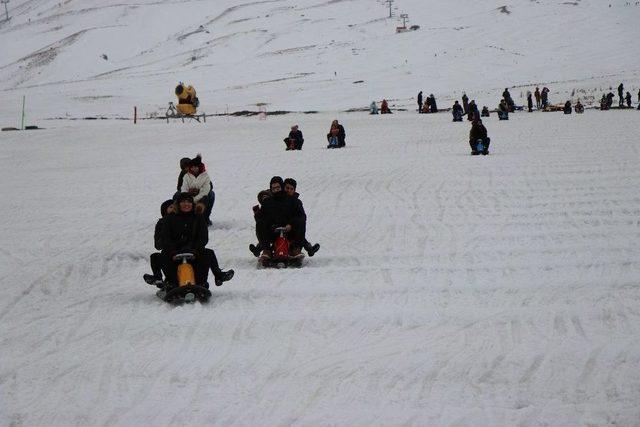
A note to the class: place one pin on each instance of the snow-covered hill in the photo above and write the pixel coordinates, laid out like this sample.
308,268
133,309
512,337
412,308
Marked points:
98,57
449,289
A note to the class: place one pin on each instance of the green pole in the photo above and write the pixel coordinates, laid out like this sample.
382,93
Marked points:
23,99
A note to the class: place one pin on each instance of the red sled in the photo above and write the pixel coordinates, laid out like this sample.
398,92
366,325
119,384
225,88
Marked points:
280,256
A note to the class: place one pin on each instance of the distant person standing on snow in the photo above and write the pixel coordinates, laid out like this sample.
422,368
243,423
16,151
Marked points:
529,101
434,107
465,102
419,102
538,98
628,99
473,111
620,92
544,97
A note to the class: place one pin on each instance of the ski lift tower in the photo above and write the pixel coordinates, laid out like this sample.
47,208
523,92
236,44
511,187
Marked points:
6,10
390,2
403,28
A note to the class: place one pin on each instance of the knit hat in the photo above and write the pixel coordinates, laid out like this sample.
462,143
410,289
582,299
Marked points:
196,161
184,196
164,206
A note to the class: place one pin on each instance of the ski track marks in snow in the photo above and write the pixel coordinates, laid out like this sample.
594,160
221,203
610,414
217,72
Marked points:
449,289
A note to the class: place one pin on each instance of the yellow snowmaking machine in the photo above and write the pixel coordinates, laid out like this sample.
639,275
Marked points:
187,106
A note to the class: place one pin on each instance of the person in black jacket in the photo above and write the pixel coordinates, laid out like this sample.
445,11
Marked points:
295,140
457,112
279,211
620,94
473,111
336,135
184,169
185,232
478,133
290,185
155,278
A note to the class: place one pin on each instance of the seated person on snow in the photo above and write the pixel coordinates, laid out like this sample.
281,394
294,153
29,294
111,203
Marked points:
336,135
290,185
185,232
384,107
279,211
485,112
457,112
184,169
579,108
295,140
155,278
197,183
503,110
473,111
478,133
567,107
257,215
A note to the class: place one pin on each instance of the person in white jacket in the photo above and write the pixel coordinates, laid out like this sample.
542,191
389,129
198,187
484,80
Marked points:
197,183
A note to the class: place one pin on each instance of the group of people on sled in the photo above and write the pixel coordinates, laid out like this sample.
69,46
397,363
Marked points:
278,208
183,228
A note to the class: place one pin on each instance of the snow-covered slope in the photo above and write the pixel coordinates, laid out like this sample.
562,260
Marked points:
307,54
449,289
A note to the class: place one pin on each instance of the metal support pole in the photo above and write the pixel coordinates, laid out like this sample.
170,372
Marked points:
23,101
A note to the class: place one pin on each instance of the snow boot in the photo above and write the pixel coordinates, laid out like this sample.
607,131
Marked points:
255,250
150,279
224,276
311,249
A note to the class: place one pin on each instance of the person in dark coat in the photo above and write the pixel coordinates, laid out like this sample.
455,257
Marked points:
279,211
257,215
628,99
185,232
620,94
295,139
478,133
384,107
507,97
529,101
184,169
485,112
544,96
610,97
465,103
155,278
432,104
503,110
473,111
457,112
420,102
567,107
336,135
579,108
538,98
290,186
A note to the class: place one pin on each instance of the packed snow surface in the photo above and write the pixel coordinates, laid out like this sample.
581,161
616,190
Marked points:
449,290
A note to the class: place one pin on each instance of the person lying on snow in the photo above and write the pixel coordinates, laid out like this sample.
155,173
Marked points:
279,211
197,183
185,231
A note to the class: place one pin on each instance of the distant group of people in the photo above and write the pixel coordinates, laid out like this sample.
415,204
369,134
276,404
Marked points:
606,102
335,138
428,106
